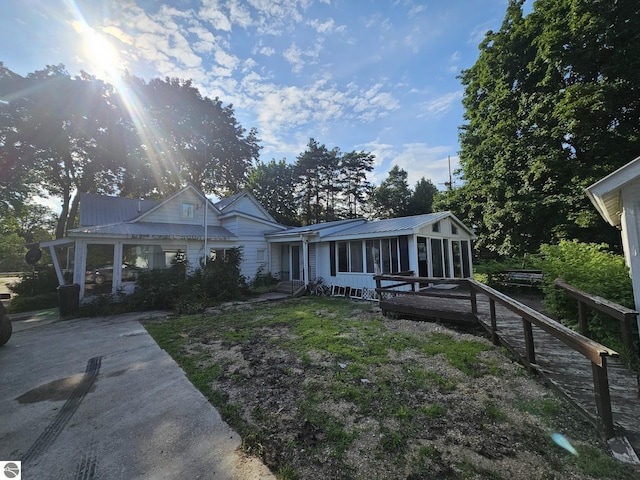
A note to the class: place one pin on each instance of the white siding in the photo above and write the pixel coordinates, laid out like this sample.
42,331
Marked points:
250,263
445,230
171,212
245,227
248,206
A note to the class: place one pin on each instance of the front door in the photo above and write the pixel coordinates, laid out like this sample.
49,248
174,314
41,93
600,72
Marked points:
284,263
423,266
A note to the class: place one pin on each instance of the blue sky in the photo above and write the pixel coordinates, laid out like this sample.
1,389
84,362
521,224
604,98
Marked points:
378,76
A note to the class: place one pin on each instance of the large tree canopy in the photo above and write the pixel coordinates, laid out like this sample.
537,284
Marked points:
551,105
61,135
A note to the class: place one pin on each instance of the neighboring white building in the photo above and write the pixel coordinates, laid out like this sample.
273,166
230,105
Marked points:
617,198
143,234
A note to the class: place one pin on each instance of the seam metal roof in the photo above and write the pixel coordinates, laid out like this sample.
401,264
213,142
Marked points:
159,230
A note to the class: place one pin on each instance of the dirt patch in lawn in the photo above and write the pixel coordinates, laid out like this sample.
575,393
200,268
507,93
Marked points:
328,388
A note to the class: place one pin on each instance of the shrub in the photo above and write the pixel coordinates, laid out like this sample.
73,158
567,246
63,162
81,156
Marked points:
159,289
30,303
263,282
42,279
593,269
485,270
220,278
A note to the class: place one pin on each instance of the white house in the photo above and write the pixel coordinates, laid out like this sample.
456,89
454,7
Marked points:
148,234
136,234
617,198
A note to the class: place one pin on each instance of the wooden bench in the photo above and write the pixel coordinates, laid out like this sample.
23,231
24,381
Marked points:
520,278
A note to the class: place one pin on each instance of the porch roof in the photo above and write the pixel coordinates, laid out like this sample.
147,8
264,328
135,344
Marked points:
156,230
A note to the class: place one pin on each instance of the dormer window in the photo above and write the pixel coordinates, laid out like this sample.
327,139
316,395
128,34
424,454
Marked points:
188,211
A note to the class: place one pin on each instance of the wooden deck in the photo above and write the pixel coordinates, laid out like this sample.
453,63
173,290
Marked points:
564,368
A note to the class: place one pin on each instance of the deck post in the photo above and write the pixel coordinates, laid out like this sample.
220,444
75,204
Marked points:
625,328
603,398
530,353
494,323
582,319
474,301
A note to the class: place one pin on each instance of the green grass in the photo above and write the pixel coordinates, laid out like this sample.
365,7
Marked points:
352,360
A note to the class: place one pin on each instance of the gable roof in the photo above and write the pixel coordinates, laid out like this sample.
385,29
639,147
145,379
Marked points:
360,228
226,205
605,194
104,210
399,226
176,194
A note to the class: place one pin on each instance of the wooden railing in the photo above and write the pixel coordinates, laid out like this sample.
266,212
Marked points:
594,351
624,315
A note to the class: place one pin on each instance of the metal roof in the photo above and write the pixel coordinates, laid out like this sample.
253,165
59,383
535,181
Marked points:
222,204
395,225
105,210
321,229
157,230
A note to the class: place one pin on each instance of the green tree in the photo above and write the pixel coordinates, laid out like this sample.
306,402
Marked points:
186,138
12,246
273,184
391,198
421,200
354,167
62,134
550,107
309,193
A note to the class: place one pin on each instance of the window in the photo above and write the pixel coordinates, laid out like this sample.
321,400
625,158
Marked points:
350,257
436,226
261,254
188,211
355,255
454,229
382,255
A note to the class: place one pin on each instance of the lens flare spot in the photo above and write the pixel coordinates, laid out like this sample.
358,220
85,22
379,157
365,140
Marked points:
562,441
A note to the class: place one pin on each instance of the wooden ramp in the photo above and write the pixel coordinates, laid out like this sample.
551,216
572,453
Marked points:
567,370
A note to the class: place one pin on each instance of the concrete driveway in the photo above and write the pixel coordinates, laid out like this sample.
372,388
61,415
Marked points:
98,399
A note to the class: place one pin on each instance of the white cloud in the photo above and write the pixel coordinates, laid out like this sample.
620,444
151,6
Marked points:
441,105
239,14
324,27
420,160
212,13
300,58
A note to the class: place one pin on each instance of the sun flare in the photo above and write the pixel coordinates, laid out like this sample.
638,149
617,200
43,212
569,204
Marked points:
99,51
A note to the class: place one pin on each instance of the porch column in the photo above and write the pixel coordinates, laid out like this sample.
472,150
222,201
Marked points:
56,264
305,260
80,264
449,256
470,258
117,267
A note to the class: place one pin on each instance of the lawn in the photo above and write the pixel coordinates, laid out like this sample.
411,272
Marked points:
329,388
